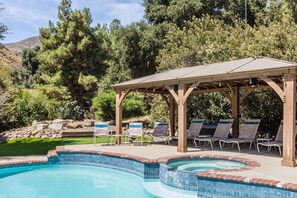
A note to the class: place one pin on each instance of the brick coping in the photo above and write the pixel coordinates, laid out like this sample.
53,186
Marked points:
209,174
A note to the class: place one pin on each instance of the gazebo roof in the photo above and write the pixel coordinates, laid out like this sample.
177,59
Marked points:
230,70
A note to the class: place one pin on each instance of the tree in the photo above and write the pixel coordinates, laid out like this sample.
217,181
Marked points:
76,51
29,60
209,40
179,11
3,27
133,50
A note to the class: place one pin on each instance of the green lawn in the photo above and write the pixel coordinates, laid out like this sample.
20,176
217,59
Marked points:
37,146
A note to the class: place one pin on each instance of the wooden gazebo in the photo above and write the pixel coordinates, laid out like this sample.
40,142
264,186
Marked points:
234,79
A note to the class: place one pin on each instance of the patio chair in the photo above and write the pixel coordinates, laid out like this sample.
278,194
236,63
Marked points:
135,130
222,131
101,130
277,143
247,134
194,129
161,131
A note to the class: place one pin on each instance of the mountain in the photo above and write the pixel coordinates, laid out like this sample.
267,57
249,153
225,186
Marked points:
26,43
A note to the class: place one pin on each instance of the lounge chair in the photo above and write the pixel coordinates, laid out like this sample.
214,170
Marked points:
247,134
161,131
222,131
101,130
278,142
135,130
194,129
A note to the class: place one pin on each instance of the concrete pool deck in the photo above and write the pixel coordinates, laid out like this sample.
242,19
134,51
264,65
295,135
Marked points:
270,162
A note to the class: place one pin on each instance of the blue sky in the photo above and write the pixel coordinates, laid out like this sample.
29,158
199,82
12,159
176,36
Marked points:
25,17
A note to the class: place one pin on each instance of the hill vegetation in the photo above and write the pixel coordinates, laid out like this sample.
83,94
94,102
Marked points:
18,47
71,73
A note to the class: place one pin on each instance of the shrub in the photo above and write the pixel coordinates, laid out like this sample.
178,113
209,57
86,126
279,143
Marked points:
104,105
69,109
29,106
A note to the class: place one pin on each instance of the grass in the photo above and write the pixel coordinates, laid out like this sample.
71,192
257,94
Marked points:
38,146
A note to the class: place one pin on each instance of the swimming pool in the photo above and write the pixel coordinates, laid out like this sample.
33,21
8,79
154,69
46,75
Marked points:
148,174
199,165
77,181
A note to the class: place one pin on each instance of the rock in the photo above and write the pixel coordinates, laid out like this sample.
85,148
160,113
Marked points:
56,126
88,123
34,123
41,126
74,125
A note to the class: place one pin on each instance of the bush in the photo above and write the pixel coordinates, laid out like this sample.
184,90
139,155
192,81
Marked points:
69,110
104,105
31,105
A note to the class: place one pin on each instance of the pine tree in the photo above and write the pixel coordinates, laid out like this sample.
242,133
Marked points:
74,50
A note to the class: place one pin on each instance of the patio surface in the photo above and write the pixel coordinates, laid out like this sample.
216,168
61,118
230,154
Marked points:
270,161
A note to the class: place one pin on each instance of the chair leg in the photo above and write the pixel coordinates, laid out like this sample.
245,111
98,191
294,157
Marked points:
141,140
280,150
195,143
238,146
211,144
94,140
220,143
258,149
251,143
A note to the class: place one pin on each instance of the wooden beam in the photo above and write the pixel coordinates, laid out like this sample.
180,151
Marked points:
171,90
123,95
182,112
118,117
245,94
151,91
171,116
188,92
166,100
226,95
235,111
289,127
274,86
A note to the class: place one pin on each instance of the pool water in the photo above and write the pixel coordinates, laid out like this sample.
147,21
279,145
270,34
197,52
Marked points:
69,181
199,165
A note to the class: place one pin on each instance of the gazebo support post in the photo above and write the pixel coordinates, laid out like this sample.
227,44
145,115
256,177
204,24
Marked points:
182,119
120,95
171,116
235,111
289,120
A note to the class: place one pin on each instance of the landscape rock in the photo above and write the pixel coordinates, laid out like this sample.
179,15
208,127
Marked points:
74,125
88,123
41,126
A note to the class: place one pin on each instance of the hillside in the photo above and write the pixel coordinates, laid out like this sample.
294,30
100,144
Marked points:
9,62
19,46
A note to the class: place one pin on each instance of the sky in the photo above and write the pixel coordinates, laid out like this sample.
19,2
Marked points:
25,17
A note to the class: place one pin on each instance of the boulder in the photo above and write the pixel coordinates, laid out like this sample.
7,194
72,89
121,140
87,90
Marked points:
74,125
56,126
88,123
41,126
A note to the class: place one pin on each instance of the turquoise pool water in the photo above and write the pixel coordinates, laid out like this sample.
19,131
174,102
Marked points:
69,181
199,165
80,181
